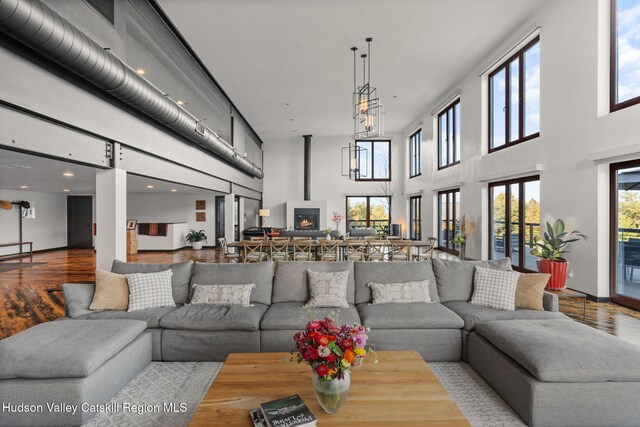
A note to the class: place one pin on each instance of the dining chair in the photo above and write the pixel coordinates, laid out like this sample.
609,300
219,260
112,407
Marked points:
400,250
280,239
394,237
352,238
253,252
256,238
279,250
355,250
329,250
377,250
303,250
301,238
228,256
425,252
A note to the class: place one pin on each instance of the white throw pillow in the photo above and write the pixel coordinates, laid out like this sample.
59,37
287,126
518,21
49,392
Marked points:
328,289
405,292
150,290
495,288
223,294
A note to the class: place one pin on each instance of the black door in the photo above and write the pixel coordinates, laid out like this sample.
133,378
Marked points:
79,220
219,217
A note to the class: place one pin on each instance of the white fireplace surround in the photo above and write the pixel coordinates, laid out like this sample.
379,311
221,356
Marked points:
310,204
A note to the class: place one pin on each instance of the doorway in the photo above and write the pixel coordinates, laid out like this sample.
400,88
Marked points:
79,221
219,218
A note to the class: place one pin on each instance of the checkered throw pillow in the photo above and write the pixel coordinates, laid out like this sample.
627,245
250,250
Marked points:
150,290
494,288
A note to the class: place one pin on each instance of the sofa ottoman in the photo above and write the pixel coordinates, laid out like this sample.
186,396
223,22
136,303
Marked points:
57,373
558,372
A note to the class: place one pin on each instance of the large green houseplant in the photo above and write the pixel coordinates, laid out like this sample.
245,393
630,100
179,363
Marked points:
550,249
196,238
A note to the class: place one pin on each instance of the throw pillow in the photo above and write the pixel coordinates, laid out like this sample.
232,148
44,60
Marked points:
112,292
328,289
495,288
150,290
223,294
400,292
530,290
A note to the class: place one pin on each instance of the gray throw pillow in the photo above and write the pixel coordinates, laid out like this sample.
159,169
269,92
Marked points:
150,290
223,294
328,289
400,292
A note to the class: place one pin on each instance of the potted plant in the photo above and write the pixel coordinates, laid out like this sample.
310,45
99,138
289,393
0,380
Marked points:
550,249
327,233
196,238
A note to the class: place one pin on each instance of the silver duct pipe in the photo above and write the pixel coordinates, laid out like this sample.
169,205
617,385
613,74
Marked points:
38,27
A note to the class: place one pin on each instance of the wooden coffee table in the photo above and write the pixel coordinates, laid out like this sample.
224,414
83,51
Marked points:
399,390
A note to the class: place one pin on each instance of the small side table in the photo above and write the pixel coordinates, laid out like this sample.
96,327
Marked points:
570,293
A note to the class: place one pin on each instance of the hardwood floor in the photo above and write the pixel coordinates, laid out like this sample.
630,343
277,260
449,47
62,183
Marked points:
31,295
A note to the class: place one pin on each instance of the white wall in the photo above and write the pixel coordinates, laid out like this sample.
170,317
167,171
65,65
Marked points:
49,228
283,165
575,129
174,207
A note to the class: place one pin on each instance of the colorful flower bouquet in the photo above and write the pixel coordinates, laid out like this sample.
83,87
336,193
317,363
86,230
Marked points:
332,351
336,218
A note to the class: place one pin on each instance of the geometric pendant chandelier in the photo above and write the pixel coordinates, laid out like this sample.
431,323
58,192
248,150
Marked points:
368,111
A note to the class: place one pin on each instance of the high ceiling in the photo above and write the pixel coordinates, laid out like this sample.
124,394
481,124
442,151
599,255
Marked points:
287,66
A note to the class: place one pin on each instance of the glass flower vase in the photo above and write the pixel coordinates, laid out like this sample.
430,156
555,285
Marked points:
332,394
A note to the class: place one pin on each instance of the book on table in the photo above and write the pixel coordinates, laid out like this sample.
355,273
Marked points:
289,411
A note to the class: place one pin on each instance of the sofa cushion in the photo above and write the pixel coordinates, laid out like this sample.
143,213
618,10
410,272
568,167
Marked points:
222,294
150,290
112,292
475,314
291,316
291,282
215,318
179,279
151,316
392,272
564,351
455,278
415,315
260,273
530,290
495,288
65,349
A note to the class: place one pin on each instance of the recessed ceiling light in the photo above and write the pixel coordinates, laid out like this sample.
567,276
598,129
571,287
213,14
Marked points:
66,190
181,102
286,104
290,120
68,174
24,186
149,186
141,71
173,190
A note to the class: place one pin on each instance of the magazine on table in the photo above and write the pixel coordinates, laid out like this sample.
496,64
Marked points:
289,411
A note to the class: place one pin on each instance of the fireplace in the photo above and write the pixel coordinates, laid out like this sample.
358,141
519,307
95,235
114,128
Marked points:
306,219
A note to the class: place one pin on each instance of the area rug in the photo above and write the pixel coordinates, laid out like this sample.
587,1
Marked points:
8,266
180,385
187,383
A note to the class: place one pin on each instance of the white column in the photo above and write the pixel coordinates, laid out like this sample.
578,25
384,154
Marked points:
229,217
243,220
111,217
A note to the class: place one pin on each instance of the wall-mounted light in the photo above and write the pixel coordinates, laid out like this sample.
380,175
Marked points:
150,186
66,190
141,71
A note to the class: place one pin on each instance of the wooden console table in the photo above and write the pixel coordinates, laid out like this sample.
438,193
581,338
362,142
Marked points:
19,244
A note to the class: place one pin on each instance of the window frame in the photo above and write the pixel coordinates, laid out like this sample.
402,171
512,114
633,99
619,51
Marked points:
368,209
613,62
504,65
521,215
371,158
450,110
449,246
415,217
415,154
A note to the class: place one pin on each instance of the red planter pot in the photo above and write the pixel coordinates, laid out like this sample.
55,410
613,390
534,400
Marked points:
558,271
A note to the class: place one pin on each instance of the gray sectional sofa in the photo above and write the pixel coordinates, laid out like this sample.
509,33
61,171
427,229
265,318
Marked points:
438,331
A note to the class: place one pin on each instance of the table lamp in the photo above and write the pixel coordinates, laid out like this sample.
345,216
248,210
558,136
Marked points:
264,213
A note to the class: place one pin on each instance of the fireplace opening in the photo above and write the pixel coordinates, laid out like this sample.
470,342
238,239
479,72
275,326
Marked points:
306,219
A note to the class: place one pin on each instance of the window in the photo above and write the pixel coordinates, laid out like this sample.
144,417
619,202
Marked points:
625,51
448,219
370,212
625,233
415,218
415,154
514,212
374,161
449,135
514,98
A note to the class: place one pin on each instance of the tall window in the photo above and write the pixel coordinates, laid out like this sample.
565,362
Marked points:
374,161
369,212
449,135
415,218
448,219
514,211
514,98
625,233
415,154
625,53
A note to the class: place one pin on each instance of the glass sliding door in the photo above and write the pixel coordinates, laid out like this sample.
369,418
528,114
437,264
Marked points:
625,233
369,212
448,219
415,218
